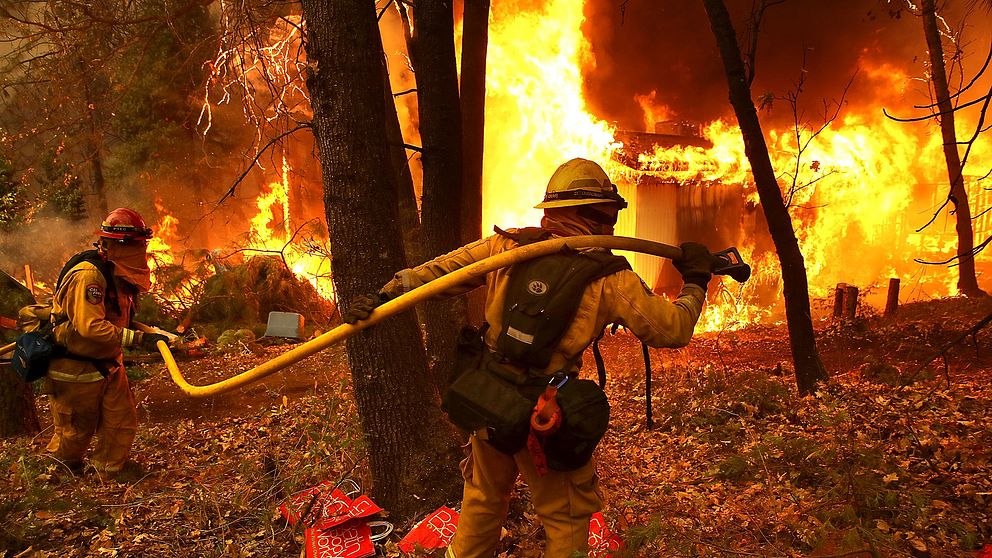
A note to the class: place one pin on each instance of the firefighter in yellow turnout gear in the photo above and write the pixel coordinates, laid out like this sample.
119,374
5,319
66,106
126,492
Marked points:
580,200
90,394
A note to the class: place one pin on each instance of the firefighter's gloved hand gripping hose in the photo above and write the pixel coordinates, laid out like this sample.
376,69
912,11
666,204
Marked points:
727,262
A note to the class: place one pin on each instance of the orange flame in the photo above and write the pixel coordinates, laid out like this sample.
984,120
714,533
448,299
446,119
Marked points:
272,233
857,195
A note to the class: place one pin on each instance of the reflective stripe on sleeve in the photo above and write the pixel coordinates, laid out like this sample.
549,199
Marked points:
128,337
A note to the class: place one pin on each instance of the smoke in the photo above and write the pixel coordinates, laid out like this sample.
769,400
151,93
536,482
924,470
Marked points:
45,244
666,49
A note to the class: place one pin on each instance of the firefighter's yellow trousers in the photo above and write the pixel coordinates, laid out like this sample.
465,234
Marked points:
564,501
105,408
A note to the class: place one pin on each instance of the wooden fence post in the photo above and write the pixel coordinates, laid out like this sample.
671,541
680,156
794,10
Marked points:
850,302
29,279
839,300
892,300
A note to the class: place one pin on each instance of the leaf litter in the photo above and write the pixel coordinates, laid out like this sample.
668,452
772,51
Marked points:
887,460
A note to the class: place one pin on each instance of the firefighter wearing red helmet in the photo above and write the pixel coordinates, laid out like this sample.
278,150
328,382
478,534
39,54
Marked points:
97,293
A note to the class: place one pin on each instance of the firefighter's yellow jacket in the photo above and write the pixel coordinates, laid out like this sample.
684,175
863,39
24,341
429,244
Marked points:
620,298
96,328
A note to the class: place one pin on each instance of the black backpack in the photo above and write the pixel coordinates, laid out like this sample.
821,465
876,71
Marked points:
543,296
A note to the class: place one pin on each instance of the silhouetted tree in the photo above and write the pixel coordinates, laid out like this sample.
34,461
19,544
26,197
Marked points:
805,357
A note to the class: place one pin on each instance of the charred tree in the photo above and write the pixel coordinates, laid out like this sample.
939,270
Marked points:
958,195
432,53
802,338
408,440
17,408
475,43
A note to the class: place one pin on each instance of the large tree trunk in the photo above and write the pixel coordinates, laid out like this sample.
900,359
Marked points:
475,43
967,281
805,358
407,202
433,57
16,405
408,440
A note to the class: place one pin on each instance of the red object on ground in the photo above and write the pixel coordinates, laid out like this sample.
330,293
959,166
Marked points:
330,508
435,531
352,540
602,542
985,552
360,507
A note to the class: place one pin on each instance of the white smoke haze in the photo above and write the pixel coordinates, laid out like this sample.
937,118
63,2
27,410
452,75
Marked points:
45,244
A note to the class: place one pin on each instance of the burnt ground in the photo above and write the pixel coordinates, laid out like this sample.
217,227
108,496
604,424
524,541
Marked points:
890,459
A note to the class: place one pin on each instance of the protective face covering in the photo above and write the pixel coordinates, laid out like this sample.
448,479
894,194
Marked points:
577,220
131,263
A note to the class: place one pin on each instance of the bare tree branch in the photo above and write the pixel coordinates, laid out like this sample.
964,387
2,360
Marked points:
264,148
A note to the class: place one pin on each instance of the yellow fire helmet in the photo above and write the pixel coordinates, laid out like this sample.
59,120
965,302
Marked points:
580,182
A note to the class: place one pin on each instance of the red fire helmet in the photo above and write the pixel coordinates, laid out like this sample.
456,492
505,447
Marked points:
124,224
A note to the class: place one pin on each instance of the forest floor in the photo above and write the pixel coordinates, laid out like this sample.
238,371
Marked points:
890,459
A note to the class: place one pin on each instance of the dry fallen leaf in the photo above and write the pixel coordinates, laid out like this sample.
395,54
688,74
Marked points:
918,544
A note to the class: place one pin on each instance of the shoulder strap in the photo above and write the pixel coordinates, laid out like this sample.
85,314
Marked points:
598,356
526,235
90,256
609,262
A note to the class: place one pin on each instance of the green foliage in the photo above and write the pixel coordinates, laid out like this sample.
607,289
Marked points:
232,340
136,373
61,188
14,202
158,79
243,296
882,372
149,311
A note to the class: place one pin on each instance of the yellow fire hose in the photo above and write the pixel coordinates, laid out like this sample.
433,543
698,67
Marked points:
725,263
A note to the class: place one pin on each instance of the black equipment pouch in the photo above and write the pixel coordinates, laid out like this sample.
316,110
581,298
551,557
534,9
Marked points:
35,348
479,399
470,350
585,413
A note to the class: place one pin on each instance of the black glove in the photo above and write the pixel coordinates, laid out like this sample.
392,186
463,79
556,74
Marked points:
147,340
696,264
362,306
